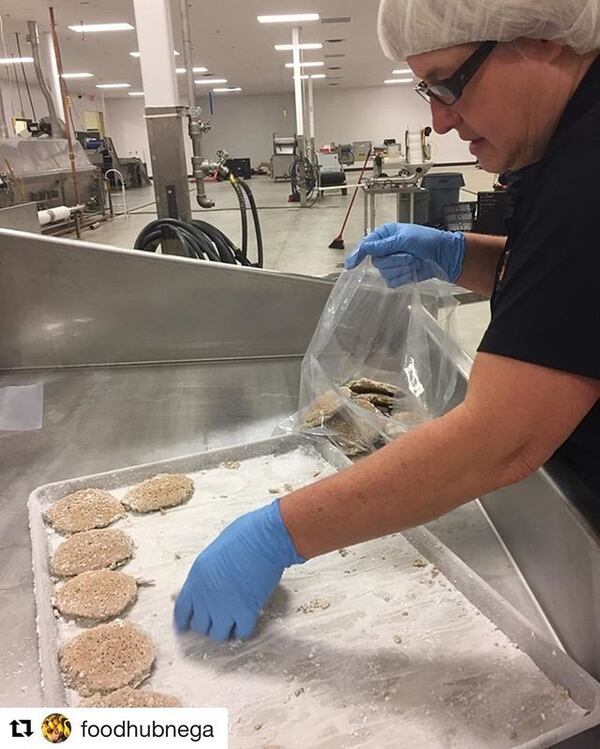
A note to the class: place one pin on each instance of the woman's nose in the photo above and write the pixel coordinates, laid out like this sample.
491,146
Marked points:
444,118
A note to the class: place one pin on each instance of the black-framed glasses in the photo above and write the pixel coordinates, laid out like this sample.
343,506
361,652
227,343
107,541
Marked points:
449,90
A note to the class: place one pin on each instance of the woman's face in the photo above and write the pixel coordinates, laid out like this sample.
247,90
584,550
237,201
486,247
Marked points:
509,109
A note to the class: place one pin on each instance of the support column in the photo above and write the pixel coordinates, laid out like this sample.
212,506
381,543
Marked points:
311,113
53,75
299,109
297,81
164,116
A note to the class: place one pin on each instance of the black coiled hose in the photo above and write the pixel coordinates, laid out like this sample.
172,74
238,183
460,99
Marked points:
255,218
235,183
204,241
198,239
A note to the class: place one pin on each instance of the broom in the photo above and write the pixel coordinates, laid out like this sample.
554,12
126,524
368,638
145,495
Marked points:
338,242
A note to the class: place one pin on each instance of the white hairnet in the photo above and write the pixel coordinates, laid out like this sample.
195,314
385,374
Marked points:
410,27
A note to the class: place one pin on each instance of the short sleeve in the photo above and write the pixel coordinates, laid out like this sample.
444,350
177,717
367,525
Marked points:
546,307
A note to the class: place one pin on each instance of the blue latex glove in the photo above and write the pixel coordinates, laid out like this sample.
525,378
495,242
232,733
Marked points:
232,579
404,253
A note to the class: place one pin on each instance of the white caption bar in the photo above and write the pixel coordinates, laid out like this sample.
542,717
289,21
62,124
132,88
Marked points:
78,727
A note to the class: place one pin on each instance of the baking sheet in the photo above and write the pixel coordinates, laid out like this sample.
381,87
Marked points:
355,648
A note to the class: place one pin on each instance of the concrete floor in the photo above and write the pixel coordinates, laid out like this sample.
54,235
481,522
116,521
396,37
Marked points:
296,240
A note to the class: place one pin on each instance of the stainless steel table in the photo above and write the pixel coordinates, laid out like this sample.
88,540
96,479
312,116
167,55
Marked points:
222,349
100,418
405,194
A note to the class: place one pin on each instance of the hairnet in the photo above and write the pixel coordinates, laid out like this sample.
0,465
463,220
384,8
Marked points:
409,27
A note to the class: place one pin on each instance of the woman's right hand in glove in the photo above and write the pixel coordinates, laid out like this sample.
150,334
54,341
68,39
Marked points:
404,253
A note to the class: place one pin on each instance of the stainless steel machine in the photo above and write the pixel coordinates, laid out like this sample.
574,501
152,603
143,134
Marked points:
131,376
398,171
282,158
36,165
38,170
404,163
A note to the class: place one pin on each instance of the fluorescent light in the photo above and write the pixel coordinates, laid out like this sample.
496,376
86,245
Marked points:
289,18
399,80
67,76
306,64
317,76
402,71
14,60
229,90
135,93
137,54
113,85
195,70
88,28
210,81
290,47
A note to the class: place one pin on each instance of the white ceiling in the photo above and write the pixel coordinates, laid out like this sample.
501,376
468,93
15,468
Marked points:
228,40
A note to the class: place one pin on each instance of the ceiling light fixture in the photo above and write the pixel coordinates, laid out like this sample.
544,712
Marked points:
68,76
135,93
306,64
305,77
399,80
113,85
137,54
89,28
402,71
289,18
195,70
14,60
210,81
230,90
290,47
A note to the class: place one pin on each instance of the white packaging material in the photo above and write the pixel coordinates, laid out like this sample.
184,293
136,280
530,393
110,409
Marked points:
21,407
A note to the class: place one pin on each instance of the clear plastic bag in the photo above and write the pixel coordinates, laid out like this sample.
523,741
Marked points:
376,365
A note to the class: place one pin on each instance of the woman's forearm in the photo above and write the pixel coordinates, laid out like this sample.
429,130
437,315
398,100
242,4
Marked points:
480,262
428,472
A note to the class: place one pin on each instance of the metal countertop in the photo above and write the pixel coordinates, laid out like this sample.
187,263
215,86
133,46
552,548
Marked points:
101,418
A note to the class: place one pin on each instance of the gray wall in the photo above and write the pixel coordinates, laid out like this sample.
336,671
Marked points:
244,125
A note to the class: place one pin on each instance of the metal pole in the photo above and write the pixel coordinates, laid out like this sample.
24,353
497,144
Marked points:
54,77
34,40
195,125
187,51
65,100
373,196
3,122
311,112
299,111
297,81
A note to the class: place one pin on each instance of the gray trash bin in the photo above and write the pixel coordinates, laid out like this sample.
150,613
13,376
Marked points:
443,189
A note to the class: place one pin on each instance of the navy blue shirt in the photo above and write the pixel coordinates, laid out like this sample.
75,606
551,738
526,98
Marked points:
546,307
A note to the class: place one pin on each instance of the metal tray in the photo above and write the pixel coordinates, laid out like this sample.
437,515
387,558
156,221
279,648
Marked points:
555,664
52,685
